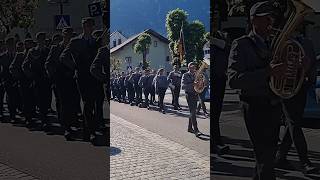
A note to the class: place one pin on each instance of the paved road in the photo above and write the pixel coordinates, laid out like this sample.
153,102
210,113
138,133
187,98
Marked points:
172,125
239,163
137,153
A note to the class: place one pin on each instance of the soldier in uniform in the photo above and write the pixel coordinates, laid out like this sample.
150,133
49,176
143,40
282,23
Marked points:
122,87
63,78
187,82
134,79
78,56
250,68
143,83
25,89
174,78
7,80
34,68
129,88
151,86
112,90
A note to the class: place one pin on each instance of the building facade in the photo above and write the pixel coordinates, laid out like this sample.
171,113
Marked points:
158,54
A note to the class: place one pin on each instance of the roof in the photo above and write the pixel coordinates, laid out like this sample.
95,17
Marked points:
132,38
117,31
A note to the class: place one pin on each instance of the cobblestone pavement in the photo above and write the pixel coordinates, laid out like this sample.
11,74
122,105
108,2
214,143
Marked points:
9,173
147,155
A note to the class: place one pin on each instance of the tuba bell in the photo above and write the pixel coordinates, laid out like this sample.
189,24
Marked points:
290,52
199,82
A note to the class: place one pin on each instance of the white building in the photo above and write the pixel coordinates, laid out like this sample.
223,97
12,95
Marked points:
158,53
206,50
116,38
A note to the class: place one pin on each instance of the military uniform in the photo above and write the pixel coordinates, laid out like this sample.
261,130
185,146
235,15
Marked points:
134,79
174,78
10,85
78,56
34,68
66,89
25,86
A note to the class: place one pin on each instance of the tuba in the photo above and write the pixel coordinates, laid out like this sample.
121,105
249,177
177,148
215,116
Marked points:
199,82
289,52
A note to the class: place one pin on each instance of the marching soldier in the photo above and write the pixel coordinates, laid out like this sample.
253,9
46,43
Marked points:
78,56
151,86
174,78
34,68
122,89
7,80
129,88
65,85
134,79
187,82
143,83
25,89
161,85
112,88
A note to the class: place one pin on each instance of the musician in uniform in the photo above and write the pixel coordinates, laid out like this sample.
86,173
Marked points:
34,68
174,78
187,84
293,110
122,88
78,56
249,70
25,89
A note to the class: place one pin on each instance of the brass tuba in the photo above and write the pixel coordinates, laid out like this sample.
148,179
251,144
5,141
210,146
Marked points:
199,82
289,52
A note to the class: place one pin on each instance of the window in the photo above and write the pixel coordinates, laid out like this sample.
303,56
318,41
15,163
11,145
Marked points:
128,60
114,43
155,43
119,41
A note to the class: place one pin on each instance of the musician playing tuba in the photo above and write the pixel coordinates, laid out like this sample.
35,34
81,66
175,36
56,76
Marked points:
249,71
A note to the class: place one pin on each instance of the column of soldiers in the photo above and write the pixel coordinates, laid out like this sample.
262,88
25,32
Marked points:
66,66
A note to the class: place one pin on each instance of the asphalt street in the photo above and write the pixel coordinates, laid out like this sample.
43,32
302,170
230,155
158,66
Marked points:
238,164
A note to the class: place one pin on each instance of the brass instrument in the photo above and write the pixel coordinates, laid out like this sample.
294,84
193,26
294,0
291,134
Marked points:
289,52
199,82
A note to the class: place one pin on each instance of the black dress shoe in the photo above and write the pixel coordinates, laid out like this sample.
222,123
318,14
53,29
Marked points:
283,163
220,150
308,168
197,133
70,137
190,130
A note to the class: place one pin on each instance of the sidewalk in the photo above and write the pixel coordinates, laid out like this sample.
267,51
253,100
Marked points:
137,153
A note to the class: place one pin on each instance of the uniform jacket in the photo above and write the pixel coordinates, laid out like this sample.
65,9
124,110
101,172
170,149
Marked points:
187,83
175,78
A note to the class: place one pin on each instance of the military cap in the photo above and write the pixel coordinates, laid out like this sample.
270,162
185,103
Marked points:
67,30
88,20
97,33
261,9
28,40
9,40
39,34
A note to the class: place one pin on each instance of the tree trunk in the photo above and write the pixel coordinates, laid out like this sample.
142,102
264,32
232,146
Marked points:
144,63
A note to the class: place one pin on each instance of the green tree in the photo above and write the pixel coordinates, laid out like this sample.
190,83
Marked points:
16,13
194,38
141,46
